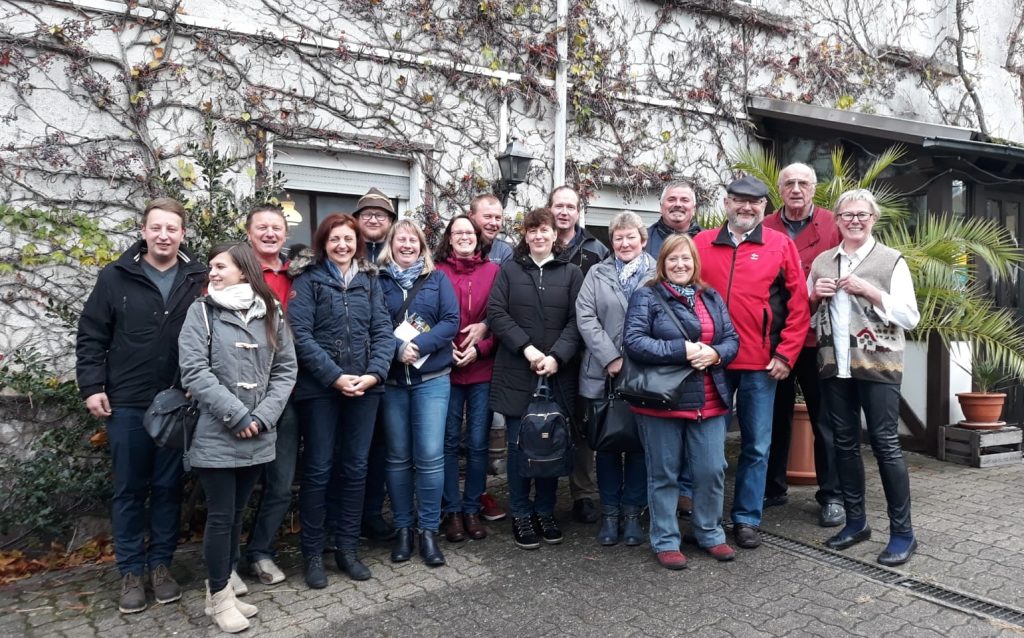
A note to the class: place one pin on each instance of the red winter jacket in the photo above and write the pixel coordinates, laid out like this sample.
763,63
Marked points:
764,289
472,279
819,235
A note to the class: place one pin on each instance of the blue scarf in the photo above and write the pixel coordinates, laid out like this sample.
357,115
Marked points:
406,278
634,273
687,293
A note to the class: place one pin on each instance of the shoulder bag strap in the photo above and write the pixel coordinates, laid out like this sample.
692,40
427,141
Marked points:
412,295
671,315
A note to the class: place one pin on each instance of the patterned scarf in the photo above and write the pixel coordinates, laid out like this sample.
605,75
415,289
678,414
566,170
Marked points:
633,273
687,293
407,277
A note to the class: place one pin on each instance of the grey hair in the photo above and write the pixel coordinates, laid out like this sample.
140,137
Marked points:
627,219
797,165
858,195
680,183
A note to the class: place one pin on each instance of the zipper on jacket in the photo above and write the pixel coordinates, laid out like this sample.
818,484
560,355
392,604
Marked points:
732,271
408,375
764,327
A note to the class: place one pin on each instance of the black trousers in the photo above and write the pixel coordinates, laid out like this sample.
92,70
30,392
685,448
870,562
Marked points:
805,370
227,493
881,404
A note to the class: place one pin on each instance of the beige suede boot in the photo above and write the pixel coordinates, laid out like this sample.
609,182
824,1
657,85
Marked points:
221,606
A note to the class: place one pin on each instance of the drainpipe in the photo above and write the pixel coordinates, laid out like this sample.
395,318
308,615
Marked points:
561,88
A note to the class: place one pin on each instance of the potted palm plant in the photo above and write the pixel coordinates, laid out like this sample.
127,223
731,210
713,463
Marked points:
983,407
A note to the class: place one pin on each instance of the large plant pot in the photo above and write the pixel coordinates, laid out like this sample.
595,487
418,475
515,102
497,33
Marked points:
800,469
981,407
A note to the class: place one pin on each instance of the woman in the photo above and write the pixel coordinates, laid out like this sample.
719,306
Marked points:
532,313
600,315
343,341
696,425
238,362
863,289
463,257
425,314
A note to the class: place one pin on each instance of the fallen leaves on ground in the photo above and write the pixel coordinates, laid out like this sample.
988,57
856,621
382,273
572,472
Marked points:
15,564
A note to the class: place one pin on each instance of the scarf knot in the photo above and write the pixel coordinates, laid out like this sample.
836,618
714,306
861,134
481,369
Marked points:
406,277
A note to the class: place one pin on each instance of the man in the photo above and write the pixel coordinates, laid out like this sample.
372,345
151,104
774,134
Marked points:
584,250
678,209
758,272
375,215
487,212
267,229
127,351
814,231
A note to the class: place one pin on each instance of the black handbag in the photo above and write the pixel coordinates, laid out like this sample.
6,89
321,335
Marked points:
610,425
544,442
658,387
171,419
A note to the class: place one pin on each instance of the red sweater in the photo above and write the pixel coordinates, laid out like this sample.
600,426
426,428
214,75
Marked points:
819,235
280,283
472,279
765,290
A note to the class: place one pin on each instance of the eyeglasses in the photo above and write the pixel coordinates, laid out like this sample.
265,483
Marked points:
462,233
742,201
377,216
859,216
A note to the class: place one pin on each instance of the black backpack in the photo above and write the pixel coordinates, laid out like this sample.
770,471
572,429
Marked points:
544,444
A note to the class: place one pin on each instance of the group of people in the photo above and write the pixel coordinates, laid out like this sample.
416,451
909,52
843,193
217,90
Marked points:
382,360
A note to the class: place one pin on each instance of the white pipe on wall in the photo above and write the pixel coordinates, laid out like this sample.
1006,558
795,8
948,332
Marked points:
561,90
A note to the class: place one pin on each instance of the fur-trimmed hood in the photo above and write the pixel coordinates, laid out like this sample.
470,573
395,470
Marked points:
304,260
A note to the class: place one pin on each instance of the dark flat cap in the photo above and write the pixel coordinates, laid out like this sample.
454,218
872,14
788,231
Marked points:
747,187
375,199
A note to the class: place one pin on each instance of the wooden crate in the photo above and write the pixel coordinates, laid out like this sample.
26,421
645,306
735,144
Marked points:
980,448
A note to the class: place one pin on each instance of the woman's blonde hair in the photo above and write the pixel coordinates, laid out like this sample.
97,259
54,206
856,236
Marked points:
407,224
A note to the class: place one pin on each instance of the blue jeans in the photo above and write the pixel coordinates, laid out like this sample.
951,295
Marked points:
414,420
755,404
704,450
471,399
277,488
621,481
323,422
142,470
519,487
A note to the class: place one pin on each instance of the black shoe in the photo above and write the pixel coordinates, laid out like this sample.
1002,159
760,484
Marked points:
375,528
584,511
842,540
632,531
832,515
523,533
892,559
608,534
547,529
746,536
401,551
316,577
429,549
349,563
776,501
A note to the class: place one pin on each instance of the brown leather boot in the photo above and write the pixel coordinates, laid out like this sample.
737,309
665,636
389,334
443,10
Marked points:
474,527
452,525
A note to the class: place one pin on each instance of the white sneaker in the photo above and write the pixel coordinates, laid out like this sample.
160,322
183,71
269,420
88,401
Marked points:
267,571
237,584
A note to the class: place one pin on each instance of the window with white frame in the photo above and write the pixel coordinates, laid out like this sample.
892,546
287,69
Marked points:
611,200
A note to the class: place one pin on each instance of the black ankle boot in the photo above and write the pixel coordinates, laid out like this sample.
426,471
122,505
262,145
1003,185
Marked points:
349,563
632,531
316,576
401,551
429,549
608,534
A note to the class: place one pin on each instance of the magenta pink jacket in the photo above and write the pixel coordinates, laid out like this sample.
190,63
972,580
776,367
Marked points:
472,279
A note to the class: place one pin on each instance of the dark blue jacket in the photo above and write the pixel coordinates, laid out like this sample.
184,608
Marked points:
650,337
338,330
435,303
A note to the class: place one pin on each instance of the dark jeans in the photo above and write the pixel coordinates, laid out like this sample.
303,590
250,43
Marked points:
621,481
336,433
142,470
881,404
376,476
471,400
227,493
519,487
806,372
277,488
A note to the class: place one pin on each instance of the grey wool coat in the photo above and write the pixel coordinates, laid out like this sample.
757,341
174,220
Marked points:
600,316
237,378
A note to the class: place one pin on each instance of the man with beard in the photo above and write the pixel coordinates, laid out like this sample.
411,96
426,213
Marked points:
757,270
678,211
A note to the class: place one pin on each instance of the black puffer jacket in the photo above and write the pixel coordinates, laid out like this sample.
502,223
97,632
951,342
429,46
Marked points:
532,305
127,336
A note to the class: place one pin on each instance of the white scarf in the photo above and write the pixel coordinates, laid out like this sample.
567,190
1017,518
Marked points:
239,298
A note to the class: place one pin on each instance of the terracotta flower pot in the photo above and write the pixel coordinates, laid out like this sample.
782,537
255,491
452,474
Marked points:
800,469
981,407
